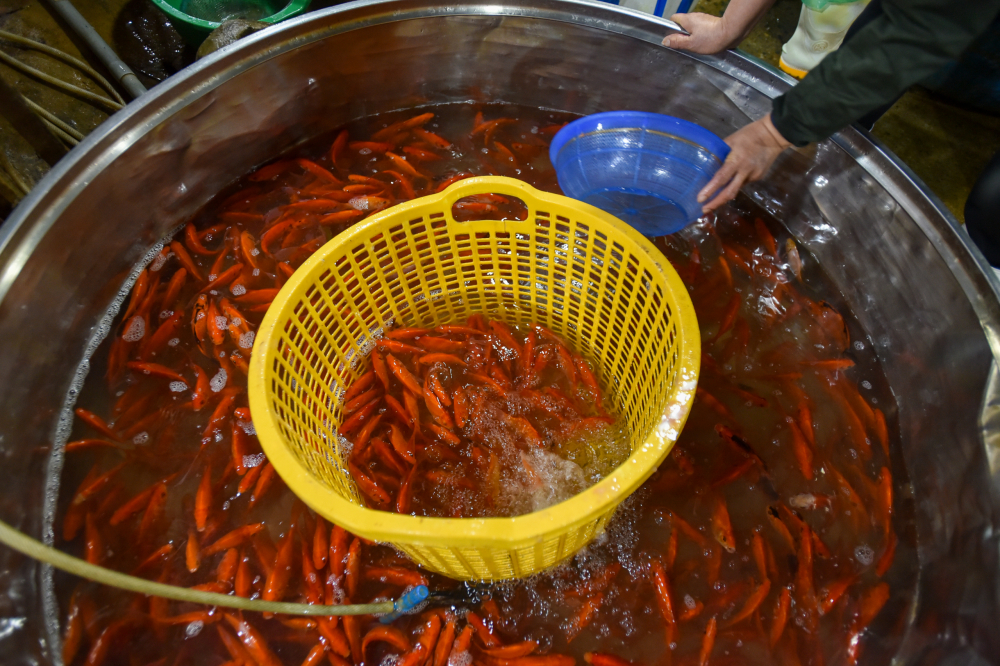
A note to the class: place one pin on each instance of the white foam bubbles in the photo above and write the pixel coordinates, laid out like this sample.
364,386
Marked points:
246,340
864,554
141,438
178,387
460,659
238,289
135,329
254,460
345,446
173,342
159,260
247,427
221,322
218,382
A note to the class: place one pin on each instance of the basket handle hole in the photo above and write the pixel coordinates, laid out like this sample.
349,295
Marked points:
489,206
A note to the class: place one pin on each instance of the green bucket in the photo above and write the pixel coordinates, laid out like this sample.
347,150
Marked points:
195,19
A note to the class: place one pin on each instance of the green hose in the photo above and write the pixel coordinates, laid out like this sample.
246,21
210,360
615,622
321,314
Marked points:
60,560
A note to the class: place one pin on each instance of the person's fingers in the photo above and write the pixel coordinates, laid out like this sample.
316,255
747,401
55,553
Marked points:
683,20
721,177
763,164
676,40
679,40
727,194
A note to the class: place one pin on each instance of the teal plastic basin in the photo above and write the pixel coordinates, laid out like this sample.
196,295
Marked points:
194,19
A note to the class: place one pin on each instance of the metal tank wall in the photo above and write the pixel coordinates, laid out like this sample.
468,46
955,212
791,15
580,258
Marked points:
919,291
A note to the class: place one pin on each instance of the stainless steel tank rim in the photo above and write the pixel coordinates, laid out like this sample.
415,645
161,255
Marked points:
634,24
54,207
973,283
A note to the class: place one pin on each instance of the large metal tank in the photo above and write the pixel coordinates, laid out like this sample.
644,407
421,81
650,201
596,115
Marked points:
923,296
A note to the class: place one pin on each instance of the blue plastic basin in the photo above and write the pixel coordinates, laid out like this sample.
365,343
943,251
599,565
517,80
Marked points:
643,168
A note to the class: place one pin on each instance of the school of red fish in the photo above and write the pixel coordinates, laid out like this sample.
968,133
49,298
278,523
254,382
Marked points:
495,419
765,537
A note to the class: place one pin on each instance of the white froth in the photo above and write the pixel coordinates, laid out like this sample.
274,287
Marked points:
218,382
135,329
173,342
460,659
178,387
246,340
346,446
864,554
141,438
158,261
238,289
554,479
669,426
254,460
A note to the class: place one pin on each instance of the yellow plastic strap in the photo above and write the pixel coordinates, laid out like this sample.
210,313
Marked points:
60,560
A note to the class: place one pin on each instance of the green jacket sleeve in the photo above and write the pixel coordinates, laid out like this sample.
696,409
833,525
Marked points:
911,40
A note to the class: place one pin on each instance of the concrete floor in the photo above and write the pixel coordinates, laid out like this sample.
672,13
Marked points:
945,145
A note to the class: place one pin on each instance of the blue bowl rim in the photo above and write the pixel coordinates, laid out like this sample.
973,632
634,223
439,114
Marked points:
683,129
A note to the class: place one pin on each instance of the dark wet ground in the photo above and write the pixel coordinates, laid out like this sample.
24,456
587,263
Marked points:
945,145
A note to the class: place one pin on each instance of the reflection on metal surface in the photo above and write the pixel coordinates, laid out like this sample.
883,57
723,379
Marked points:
924,300
989,421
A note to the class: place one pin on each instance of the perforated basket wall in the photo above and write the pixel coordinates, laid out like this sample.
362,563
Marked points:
568,266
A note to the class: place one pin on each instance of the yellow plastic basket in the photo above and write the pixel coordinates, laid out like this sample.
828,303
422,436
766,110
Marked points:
569,266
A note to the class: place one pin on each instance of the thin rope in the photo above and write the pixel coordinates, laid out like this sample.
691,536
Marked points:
66,58
60,134
59,83
52,119
12,173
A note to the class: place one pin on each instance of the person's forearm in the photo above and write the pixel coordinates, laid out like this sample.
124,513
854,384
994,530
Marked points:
741,16
711,34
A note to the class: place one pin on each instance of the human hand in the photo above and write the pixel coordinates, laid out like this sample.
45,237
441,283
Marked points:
708,34
753,150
